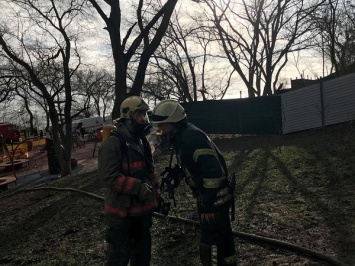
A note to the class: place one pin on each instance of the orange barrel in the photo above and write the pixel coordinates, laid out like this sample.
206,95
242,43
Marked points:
106,131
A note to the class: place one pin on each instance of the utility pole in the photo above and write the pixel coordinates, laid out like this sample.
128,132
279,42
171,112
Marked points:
323,54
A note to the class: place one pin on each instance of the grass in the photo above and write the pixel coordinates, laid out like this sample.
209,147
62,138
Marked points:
298,188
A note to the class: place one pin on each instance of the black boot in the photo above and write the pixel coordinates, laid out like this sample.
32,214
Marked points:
205,255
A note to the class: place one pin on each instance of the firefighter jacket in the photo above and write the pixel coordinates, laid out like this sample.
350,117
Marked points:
124,164
204,167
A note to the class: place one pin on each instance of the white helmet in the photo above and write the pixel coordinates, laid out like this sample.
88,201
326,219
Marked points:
168,111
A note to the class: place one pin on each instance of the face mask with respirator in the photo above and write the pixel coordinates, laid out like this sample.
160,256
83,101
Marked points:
141,121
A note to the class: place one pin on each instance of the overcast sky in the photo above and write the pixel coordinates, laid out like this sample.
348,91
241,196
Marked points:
96,50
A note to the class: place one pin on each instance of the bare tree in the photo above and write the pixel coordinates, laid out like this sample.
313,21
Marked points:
20,105
10,85
335,24
123,51
9,82
24,94
44,41
94,92
185,61
257,36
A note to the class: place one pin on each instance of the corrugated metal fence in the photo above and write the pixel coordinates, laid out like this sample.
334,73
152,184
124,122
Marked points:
325,103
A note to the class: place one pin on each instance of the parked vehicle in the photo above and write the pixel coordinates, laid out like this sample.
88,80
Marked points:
9,132
88,123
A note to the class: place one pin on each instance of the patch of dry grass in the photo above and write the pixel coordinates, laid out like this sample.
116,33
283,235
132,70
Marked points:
298,188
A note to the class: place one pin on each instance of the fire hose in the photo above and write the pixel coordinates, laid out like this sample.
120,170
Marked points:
275,242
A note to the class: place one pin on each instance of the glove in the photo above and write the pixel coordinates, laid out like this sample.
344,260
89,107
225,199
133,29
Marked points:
154,181
209,218
145,192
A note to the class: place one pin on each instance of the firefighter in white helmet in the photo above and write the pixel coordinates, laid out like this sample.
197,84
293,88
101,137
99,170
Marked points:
125,167
206,173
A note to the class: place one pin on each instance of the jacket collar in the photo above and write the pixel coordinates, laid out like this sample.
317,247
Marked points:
126,128
175,138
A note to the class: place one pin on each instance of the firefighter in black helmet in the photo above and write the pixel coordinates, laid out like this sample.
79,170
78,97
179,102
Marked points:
206,173
125,167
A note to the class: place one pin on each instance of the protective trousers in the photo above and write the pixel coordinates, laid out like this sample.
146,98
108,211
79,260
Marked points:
129,241
217,241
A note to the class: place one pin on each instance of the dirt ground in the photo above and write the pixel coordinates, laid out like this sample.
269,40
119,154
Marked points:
50,226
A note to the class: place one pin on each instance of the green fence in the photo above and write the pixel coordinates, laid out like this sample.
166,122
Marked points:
247,116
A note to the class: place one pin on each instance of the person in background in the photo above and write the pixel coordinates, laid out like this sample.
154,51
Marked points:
82,131
125,168
206,173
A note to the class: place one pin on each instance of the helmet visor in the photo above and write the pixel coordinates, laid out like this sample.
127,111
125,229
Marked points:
141,117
